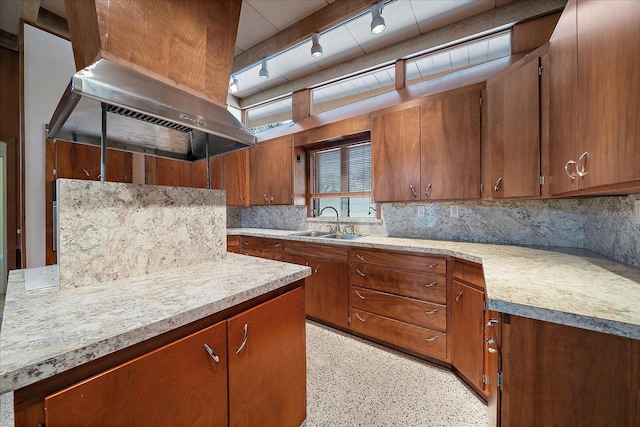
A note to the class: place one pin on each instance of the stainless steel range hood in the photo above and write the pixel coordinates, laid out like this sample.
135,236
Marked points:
145,115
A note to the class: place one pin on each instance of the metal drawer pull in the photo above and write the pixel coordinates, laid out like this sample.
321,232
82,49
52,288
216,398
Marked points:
432,338
428,285
245,252
459,296
265,198
85,172
583,172
277,257
242,199
244,340
427,192
566,169
317,268
277,245
212,353
434,311
360,318
359,272
246,243
271,199
491,341
496,187
413,191
430,266
360,257
360,295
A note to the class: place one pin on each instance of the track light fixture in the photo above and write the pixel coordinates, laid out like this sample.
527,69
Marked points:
316,48
264,71
377,21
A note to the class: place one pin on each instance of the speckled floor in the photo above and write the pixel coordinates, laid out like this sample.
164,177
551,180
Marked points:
352,382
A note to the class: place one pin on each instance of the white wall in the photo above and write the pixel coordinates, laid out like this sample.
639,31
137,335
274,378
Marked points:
48,67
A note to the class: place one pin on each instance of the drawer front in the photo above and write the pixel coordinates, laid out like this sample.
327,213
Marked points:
470,273
410,337
335,253
428,287
416,312
419,263
276,256
261,243
233,241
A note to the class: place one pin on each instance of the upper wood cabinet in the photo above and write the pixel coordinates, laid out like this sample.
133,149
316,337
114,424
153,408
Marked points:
171,172
271,172
199,173
186,43
594,90
430,151
235,177
513,132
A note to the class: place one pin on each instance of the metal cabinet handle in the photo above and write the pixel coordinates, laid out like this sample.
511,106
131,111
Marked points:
85,172
244,340
245,252
434,311
497,185
430,266
360,257
265,198
360,318
277,245
271,199
213,355
317,268
413,191
459,296
359,272
277,257
582,171
360,295
242,199
490,342
566,169
432,338
245,243
427,192
428,285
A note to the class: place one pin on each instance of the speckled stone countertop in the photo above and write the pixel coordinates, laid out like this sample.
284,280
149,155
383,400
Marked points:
572,287
48,331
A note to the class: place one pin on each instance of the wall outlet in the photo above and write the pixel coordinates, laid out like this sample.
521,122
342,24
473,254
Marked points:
453,211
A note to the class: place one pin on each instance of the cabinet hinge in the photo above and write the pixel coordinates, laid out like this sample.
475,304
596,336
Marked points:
500,380
481,188
481,101
540,70
541,179
484,305
349,320
55,172
484,379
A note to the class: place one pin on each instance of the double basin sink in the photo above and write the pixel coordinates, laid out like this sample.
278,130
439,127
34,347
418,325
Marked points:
323,235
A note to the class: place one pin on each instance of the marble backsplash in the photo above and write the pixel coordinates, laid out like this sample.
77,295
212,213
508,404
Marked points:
110,231
606,225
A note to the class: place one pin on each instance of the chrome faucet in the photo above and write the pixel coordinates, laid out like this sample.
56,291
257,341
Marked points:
337,217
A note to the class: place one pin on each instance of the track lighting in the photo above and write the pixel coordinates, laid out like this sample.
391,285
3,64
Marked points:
233,84
377,21
316,48
264,71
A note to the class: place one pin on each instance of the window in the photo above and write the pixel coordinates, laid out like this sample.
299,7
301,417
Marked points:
269,115
341,178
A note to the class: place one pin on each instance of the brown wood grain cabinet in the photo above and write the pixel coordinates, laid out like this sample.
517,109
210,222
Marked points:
262,247
199,173
429,151
271,172
235,177
513,110
327,289
175,173
406,314
595,115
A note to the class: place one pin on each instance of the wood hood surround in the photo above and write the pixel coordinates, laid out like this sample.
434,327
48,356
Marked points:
188,44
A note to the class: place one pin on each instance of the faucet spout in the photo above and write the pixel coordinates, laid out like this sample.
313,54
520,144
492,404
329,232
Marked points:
337,217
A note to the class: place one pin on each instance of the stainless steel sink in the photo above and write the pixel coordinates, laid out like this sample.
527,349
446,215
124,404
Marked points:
341,236
311,234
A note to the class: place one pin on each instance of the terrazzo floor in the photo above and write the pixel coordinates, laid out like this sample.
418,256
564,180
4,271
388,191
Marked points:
352,382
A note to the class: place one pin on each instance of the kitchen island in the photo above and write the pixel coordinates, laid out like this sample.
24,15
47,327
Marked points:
65,336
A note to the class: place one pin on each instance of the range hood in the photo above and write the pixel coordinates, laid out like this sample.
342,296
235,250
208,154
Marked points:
144,115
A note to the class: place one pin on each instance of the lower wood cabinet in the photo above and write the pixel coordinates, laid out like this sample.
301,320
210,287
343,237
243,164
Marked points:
249,369
261,247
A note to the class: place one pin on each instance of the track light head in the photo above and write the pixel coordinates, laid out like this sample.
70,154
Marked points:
233,86
377,21
264,71
316,48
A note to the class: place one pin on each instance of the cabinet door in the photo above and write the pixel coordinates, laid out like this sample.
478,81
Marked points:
267,363
330,291
75,161
395,155
176,173
309,284
450,153
199,173
609,88
235,177
467,332
271,175
179,384
563,102
513,106
119,166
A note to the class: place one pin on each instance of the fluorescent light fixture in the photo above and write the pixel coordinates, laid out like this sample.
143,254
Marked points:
377,21
264,71
316,48
233,85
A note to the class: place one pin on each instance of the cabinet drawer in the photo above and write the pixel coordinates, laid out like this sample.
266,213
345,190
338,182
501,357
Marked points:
335,253
470,273
413,338
429,287
233,241
420,263
416,312
261,243
260,253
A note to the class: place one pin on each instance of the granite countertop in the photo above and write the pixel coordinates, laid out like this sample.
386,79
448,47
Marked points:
48,331
572,287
